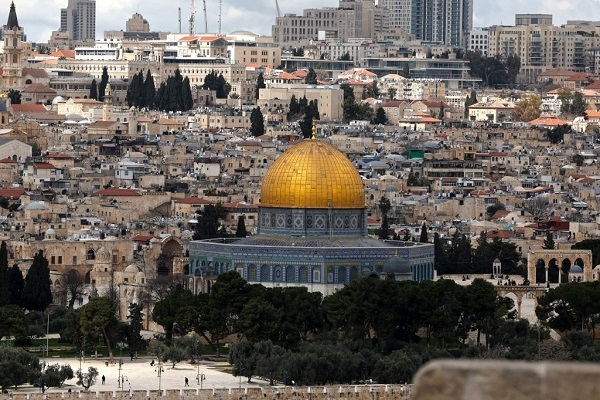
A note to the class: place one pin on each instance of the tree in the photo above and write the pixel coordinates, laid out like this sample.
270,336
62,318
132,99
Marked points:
537,207
311,77
149,90
345,57
260,84
135,341
12,322
513,67
186,95
578,106
73,288
4,288
176,312
208,222
384,208
17,367
405,70
380,117
257,125
103,84
94,90
423,238
15,285
259,320
528,108
87,380
392,93
56,375
97,319
175,354
578,159
14,96
241,227
549,241
36,292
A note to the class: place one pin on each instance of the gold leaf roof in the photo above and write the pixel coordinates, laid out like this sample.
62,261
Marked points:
313,174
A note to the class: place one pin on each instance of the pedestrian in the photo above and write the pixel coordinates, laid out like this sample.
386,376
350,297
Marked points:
152,363
129,385
131,355
103,379
187,383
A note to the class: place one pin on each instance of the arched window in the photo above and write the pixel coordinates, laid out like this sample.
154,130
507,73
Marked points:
265,272
252,273
341,275
290,275
91,255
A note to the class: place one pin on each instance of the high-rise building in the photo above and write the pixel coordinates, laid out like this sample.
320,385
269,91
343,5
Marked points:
443,21
79,19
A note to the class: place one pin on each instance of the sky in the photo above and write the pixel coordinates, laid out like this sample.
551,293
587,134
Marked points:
40,17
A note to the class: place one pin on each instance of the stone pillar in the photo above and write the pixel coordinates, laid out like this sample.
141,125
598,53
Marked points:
547,269
519,300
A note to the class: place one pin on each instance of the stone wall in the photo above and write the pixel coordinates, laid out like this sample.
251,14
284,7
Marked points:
366,392
506,380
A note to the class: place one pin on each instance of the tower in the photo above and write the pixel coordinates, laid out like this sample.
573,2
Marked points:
79,19
13,51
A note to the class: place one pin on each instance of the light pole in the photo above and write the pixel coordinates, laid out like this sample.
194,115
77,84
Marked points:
159,369
196,345
240,369
47,333
120,345
82,358
202,378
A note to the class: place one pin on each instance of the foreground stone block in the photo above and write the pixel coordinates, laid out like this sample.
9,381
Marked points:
506,380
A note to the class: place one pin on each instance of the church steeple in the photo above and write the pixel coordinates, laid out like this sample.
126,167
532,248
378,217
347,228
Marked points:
13,22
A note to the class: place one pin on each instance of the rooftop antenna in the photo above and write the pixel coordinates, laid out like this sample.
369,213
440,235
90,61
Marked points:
205,18
192,17
220,10
179,19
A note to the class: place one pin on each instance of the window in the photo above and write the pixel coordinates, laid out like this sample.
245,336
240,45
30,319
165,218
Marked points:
52,260
91,255
74,259
316,275
59,260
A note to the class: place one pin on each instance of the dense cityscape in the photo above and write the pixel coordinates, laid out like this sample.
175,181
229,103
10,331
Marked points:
371,187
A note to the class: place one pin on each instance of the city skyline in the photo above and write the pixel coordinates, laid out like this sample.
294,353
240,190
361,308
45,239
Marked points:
256,16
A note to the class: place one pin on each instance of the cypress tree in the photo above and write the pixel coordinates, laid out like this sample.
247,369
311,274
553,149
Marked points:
186,94
221,92
132,91
94,90
423,238
15,285
36,292
141,95
103,83
4,287
260,84
257,123
149,90
241,227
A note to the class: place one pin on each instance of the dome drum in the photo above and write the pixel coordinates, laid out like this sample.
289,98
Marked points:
313,222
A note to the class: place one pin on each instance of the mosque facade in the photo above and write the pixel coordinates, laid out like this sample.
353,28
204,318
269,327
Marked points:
312,231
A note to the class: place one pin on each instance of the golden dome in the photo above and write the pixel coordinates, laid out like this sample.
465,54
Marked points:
312,174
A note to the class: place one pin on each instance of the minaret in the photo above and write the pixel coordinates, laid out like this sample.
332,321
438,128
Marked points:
13,52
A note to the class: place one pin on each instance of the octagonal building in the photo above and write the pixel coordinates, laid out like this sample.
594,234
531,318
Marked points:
312,230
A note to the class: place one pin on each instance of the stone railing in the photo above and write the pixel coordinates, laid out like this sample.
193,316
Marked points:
506,380
362,392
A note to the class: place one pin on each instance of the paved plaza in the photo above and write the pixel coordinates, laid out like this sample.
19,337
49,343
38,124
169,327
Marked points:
139,375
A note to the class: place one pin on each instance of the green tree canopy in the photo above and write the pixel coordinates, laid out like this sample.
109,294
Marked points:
36,292
98,320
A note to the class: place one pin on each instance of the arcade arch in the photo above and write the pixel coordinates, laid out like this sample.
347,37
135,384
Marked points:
553,266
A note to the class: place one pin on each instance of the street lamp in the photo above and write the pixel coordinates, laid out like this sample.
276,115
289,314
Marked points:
159,369
196,345
240,368
82,354
202,378
120,345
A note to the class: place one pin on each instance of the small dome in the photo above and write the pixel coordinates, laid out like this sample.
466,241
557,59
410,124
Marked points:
576,269
497,261
391,188
50,231
132,269
36,206
397,265
57,99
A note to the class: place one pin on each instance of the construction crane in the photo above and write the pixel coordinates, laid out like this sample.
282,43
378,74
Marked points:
220,10
278,9
205,18
192,17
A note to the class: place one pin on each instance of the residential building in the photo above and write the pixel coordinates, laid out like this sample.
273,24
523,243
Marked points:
352,19
447,22
478,41
79,19
137,23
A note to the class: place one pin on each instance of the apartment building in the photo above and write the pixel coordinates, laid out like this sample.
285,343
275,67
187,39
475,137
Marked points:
447,22
79,19
352,19
541,47
329,98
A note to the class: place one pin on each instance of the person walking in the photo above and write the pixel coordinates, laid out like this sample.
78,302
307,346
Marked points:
103,379
187,382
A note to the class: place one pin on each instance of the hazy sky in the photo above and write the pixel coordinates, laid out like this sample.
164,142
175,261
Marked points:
41,17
